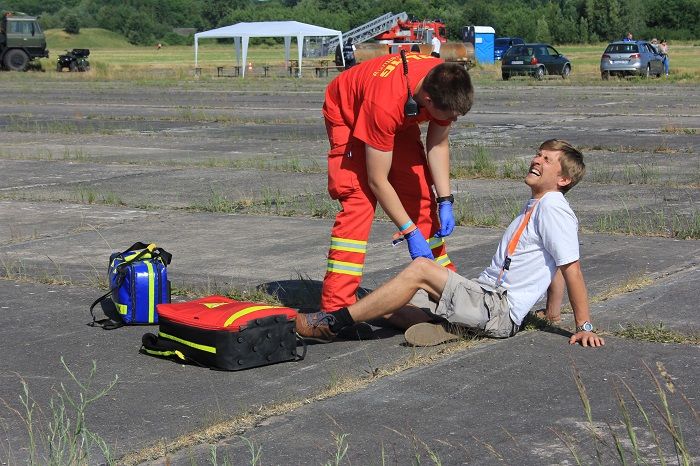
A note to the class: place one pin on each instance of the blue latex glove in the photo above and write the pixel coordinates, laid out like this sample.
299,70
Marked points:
417,245
447,220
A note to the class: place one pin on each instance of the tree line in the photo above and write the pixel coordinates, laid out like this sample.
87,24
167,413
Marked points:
555,21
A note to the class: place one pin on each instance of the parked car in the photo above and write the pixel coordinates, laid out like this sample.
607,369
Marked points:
502,44
631,58
536,60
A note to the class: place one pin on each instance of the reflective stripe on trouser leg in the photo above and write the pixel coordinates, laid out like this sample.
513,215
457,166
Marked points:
437,246
412,181
346,255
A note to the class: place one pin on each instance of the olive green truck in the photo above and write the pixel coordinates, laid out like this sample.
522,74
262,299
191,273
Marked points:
21,41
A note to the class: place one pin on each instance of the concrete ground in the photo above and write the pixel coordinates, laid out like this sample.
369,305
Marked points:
233,184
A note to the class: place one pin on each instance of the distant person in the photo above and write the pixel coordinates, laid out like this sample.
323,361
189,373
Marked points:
663,50
349,54
159,46
436,47
540,243
628,37
338,55
655,45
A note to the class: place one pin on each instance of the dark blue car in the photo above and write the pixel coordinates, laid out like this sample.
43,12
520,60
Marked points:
502,44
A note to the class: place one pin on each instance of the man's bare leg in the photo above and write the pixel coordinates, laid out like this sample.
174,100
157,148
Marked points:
422,274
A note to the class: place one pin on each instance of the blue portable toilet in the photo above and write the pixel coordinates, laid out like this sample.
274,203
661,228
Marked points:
484,38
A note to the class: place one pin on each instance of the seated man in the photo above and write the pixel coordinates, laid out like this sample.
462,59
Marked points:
539,244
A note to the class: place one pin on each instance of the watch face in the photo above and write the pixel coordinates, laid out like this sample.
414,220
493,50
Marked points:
587,326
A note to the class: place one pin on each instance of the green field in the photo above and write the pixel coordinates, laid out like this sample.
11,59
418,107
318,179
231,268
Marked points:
112,57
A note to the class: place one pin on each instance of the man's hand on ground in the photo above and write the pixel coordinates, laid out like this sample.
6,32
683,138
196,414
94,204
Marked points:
586,339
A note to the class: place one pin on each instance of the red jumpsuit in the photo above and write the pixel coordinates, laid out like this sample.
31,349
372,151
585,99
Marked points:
365,105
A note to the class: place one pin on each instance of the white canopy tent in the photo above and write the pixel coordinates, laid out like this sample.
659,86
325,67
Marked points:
286,29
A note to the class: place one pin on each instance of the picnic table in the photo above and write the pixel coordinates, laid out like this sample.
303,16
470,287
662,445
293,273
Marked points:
320,67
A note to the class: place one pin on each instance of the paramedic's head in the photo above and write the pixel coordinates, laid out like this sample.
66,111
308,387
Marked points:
449,91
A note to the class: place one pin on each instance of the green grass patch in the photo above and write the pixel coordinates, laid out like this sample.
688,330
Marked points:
638,173
89,195
656,333
650,223
271,202
671,128
479,163
498,211
58,40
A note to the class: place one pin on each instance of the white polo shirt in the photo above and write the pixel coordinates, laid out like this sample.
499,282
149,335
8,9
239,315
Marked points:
549,240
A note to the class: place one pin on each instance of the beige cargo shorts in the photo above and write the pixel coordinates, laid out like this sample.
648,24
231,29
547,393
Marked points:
471,304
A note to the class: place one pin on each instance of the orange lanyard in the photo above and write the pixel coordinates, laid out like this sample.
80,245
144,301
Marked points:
513,243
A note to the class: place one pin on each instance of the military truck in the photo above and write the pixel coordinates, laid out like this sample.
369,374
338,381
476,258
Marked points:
21,41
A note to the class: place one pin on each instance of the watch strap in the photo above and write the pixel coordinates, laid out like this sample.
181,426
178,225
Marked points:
585,327
449,198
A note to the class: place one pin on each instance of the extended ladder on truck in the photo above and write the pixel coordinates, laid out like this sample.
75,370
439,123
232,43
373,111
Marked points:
370,29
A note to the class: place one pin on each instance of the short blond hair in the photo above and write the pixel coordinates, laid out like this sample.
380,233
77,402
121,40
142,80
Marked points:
570,159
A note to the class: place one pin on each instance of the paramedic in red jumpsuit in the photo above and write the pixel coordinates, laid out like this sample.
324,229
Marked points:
377,154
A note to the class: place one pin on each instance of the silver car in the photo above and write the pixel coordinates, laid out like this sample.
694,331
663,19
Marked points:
631,58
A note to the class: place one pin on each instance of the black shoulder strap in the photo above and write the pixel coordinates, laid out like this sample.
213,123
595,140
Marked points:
300,357
106,323
164,255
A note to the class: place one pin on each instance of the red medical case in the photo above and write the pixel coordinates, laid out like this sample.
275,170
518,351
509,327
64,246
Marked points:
222,333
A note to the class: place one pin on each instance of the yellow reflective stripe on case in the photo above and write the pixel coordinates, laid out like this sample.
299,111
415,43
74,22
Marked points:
165,353
122,308
347,268
349,245
213,305
191,344
151,292
131,256
245,311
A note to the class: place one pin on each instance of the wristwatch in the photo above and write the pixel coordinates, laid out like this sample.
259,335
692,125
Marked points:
450,198
585,327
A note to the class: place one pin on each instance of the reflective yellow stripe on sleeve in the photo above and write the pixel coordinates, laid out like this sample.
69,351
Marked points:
347,268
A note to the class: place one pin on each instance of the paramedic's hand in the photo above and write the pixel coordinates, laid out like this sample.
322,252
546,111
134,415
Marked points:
417,245
447,220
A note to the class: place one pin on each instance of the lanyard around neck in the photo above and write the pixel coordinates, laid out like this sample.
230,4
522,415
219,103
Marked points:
513,243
